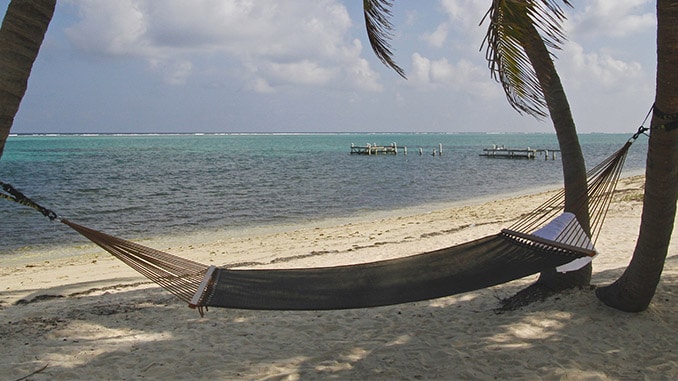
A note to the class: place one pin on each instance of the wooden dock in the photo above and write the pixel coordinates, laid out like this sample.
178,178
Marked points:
392,149
371,149
502,152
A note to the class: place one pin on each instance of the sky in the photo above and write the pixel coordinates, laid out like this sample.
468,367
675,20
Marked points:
271,66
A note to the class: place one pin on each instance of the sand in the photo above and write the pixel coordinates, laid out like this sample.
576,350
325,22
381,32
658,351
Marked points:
89,317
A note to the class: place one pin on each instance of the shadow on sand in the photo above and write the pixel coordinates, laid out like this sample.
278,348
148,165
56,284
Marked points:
125,333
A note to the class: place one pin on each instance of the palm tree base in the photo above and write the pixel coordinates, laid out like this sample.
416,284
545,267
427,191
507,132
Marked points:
533,293
549,283
624,299
536,292
556,282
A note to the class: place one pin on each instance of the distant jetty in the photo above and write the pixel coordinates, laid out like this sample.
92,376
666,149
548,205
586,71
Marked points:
526,153
391,149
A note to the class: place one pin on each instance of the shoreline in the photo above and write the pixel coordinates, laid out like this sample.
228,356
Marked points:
92,317
45,252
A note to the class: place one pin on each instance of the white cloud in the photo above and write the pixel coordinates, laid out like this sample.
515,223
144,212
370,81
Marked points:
305,72
619,18
438,37
360,76
260,85
461,77
306,43
461,30
464,13
603,70
109,27
421,69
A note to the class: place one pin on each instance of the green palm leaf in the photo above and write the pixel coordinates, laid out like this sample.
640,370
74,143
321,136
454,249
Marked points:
506,57
379,31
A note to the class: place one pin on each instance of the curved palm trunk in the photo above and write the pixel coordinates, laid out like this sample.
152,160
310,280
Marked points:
574,168
21,35
634,290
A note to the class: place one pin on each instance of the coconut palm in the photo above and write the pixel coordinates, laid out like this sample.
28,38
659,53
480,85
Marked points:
634,290
518,39
21,35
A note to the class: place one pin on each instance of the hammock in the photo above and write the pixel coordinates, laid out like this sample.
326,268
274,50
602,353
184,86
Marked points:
543,239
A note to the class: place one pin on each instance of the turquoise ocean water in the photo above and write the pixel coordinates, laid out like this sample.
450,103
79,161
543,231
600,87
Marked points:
155,185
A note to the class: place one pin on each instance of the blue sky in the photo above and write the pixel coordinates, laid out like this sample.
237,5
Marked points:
306,66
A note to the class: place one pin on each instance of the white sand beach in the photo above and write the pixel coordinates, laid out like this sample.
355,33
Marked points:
89,317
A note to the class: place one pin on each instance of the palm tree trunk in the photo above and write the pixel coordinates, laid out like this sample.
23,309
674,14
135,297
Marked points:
634,290
574,167
21,35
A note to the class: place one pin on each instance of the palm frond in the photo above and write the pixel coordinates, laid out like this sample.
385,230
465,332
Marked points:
506,57
379,31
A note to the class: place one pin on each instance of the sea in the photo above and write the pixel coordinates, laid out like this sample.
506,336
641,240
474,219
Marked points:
138,186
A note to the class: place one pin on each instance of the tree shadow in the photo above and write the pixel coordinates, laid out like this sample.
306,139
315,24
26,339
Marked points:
145,333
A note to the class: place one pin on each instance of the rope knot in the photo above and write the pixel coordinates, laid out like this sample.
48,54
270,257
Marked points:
15,195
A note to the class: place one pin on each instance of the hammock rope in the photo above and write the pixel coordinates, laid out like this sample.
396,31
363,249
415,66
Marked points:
542,239
602,180
15,195
179,276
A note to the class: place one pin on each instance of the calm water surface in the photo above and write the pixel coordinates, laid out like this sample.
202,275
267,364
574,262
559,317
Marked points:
152,185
